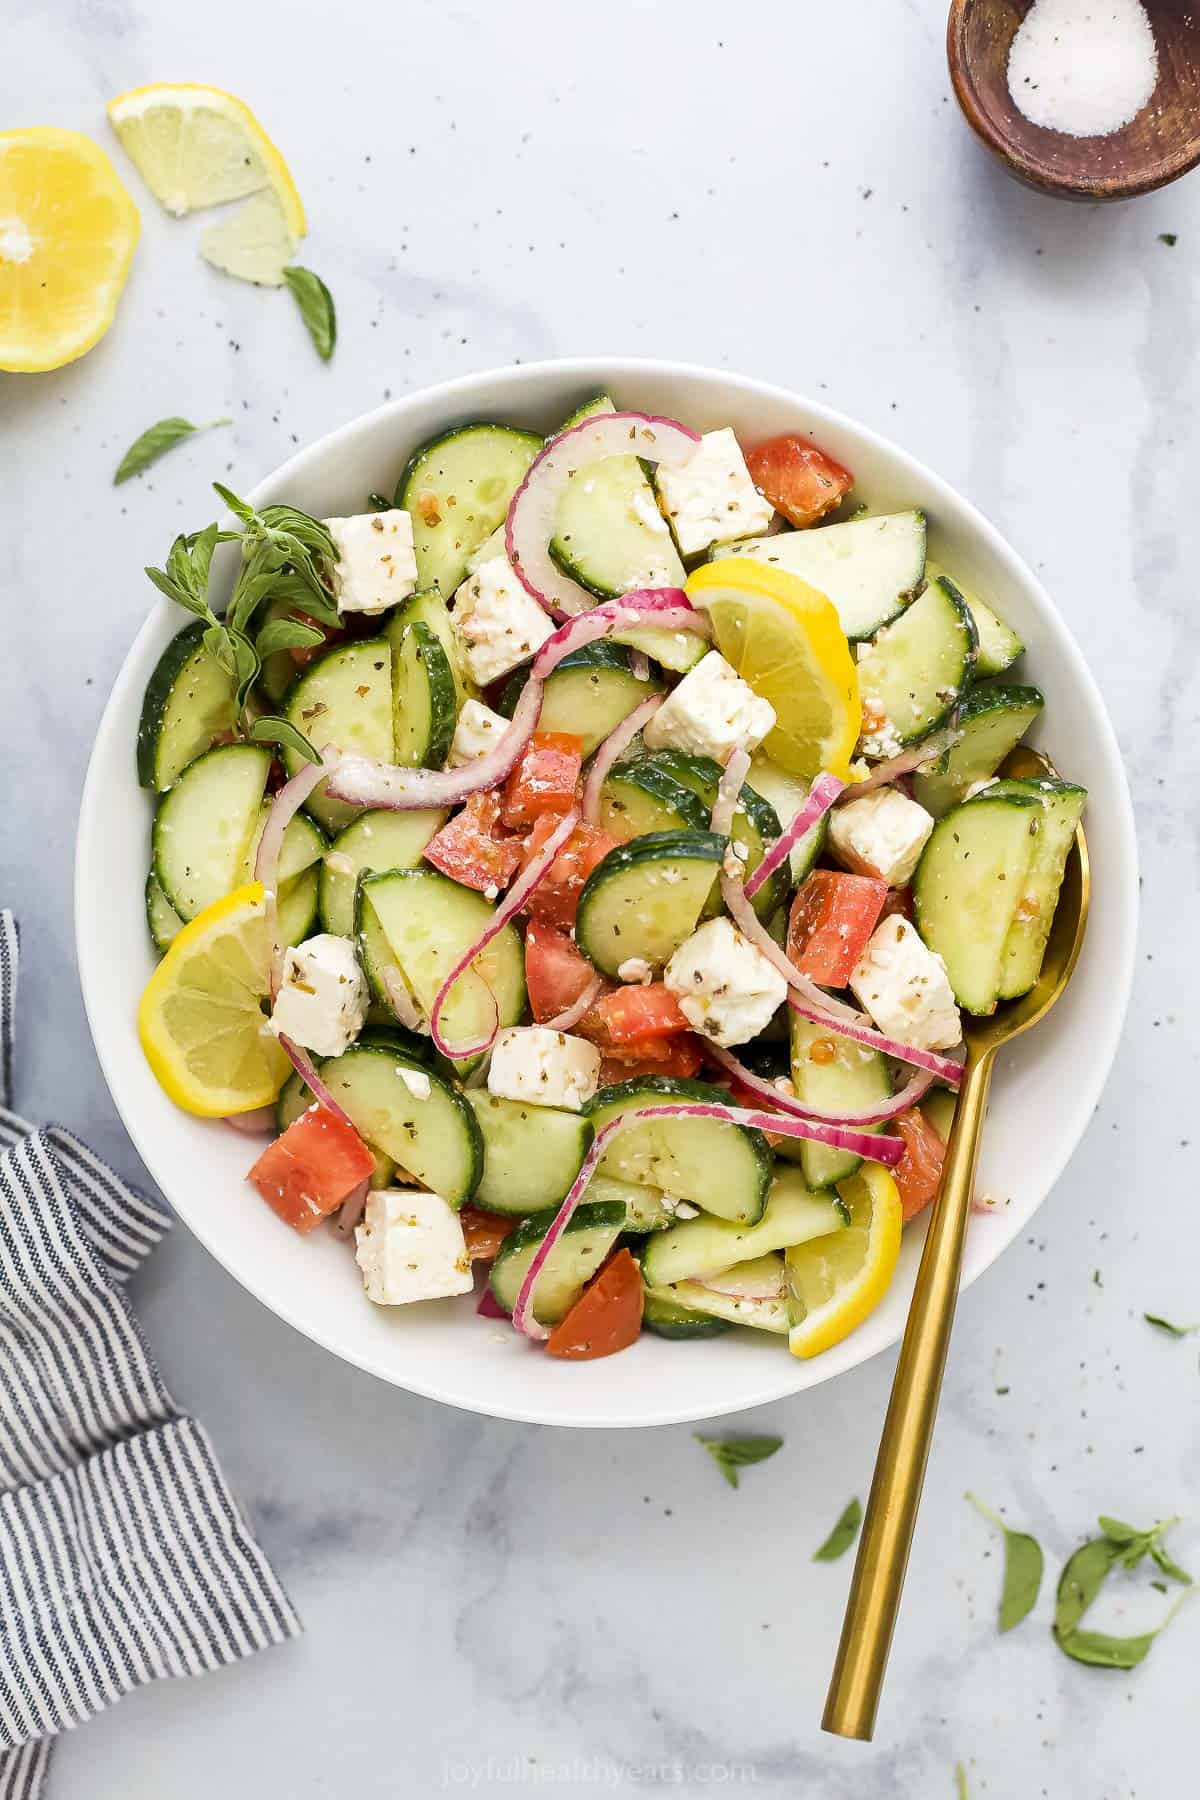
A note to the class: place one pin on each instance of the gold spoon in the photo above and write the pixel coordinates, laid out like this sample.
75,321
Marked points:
883,1549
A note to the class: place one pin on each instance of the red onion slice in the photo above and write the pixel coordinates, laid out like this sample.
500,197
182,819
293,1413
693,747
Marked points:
284,807
667,609
534,872
489,1307
909,1094
400,1000
572,1014
914,758
533,511
639,662
610,750
821,796
306,1070
944,1067
733,779
885,1150
360,781
252,1124
352,1209
834,1013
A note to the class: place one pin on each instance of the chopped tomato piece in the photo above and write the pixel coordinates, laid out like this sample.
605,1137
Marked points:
630,1015
899,904
545,779
832,917
918,1174
316,1164
799,480
680,1055
303,654
485,1231
556,896
470,848
556,973
607,1316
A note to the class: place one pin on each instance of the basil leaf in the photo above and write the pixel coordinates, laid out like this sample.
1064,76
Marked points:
316,308
842,1535
1165,1325
1023,1568
732,1454
155,442
270,730
287,634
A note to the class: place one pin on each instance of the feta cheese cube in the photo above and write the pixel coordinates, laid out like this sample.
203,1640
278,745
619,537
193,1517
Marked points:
711,498
710,713
478,730
883,834
498,624
546,1068
322,999
410,1246
725,986
905,988
378,565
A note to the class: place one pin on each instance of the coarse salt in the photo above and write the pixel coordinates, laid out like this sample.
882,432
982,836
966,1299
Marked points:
1083,67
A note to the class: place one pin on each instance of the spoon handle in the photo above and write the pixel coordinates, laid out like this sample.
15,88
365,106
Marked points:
874,1602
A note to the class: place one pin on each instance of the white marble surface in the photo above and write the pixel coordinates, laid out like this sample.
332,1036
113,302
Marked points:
791,193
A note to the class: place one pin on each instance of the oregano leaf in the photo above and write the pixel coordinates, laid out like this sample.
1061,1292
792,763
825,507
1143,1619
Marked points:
734,1453
842,1535
155,441
316,308
271,730
1023,1568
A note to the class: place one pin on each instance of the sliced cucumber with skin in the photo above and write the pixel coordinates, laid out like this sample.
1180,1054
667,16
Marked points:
590,1234
296,1098
787,794
609,534
639,797
665,1317
589,693
832,1074
697,1248
726,1169
424,706
345,698
531,1154
435,1139
999,645
938,1108
376,842
969,882
991,722
456,489
646,897
1062,804
917,670
163,922
760,1315
755,821
189,703
429,922
204,825
646,1208
870,567
429,609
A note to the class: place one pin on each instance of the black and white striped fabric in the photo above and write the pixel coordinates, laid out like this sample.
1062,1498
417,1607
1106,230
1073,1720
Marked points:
123,1555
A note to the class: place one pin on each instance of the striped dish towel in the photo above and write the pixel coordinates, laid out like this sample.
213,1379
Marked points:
123,1555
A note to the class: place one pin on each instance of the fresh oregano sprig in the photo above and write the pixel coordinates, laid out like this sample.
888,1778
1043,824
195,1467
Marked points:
1121,1546
1023,1568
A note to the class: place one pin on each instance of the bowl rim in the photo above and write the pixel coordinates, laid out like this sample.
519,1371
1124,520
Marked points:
786,1376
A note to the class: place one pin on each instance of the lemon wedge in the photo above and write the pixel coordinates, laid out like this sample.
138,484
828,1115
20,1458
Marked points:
68,230
833,1282
201,1020
783,637
198,146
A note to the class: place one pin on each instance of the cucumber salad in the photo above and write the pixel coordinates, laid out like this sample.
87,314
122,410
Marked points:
578,865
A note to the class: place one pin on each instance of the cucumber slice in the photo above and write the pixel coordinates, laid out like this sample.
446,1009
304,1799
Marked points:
999,645
591,1232
917,670
589,693
433,1138
992,721
639,797
427,922
189,703
204,825
456,489
609,534
870,568
969,881
163,921
665,1317
531,1154
755,821
429,609
646,1208
726,1169
1062,804
646,897
787,794
345,698
424,706
374,843
832,1074
761,1315
295,1097
697,1248
938,1108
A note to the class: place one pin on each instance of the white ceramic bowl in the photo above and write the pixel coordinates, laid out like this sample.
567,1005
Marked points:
1044,1093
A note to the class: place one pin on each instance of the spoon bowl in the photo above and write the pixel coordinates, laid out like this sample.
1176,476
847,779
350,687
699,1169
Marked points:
1159,143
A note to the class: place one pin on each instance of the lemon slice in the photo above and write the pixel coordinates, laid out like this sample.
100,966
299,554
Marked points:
199,146
68,230
783,637
251,241
201,1020
833,1282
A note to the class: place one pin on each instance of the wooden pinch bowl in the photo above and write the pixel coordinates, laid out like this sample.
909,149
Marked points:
1158,145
